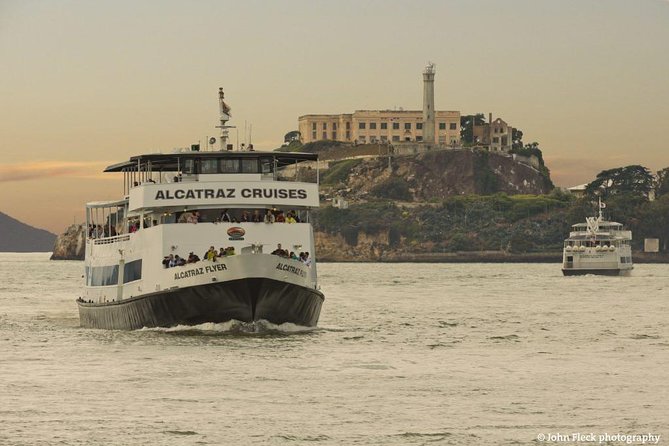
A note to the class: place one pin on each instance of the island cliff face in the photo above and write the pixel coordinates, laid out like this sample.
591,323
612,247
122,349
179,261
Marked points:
439,174
70,245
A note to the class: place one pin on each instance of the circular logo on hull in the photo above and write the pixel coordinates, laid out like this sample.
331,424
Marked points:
236,233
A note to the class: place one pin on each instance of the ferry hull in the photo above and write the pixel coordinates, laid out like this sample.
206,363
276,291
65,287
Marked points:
245,300
599,272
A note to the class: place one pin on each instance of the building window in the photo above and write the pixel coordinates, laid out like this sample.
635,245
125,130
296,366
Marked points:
419,126
313,126
334,136
313,136
396,126
396,138
372,125
348,126
334,126
453,126
361,125
384,138
384,126
419,138
372,139
325,126
442,126
495,140
325,135
407,126
348,135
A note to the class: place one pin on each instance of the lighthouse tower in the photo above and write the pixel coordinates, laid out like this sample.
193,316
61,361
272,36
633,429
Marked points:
428,104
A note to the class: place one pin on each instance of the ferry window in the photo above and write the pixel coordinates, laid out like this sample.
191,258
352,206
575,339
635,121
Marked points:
249,166
189,166
266,165
230,165
132,271
209,166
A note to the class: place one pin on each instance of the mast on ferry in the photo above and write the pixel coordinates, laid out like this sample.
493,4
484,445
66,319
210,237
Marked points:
225,117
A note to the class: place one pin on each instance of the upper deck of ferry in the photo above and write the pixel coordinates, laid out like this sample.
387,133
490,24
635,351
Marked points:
189,166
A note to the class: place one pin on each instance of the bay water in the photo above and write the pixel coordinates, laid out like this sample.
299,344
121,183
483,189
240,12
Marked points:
404,354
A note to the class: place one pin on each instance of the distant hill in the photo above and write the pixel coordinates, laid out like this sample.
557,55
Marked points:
19,237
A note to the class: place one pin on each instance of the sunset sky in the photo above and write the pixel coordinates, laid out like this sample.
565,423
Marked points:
84,84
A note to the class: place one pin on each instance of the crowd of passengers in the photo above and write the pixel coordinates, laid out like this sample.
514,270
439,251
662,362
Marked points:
304,257
99,231
173,260
270,216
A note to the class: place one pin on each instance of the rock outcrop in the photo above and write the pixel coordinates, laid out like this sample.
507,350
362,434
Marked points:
438,174
71,244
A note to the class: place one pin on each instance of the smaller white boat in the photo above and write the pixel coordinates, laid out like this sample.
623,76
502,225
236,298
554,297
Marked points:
598,246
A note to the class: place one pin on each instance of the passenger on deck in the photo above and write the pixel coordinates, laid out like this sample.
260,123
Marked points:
211,254
269,217
246,217
290,218
307,259
193,258
221,252
230,251
280,218
278,251
194,217
167,260
225,217
293,256
173,261
257,218
295,216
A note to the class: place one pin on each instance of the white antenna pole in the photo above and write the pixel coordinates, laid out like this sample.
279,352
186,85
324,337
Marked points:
225,117
250,133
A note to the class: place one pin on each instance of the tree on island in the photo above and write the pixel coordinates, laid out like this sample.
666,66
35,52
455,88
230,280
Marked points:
467,123
662,182
291,136
634,180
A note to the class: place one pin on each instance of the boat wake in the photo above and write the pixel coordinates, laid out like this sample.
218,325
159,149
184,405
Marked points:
235,328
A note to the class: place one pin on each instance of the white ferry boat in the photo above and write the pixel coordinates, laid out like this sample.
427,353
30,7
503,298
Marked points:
598,247
142,267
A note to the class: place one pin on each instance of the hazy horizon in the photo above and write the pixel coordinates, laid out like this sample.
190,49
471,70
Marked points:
88,84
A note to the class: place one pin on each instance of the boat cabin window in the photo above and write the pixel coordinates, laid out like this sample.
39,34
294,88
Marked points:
189,167
230,165
209,166
249,166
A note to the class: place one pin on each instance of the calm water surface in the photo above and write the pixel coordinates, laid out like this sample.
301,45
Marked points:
405,354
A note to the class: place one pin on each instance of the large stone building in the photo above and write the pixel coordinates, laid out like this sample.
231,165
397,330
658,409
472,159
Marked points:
370,126
388,126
